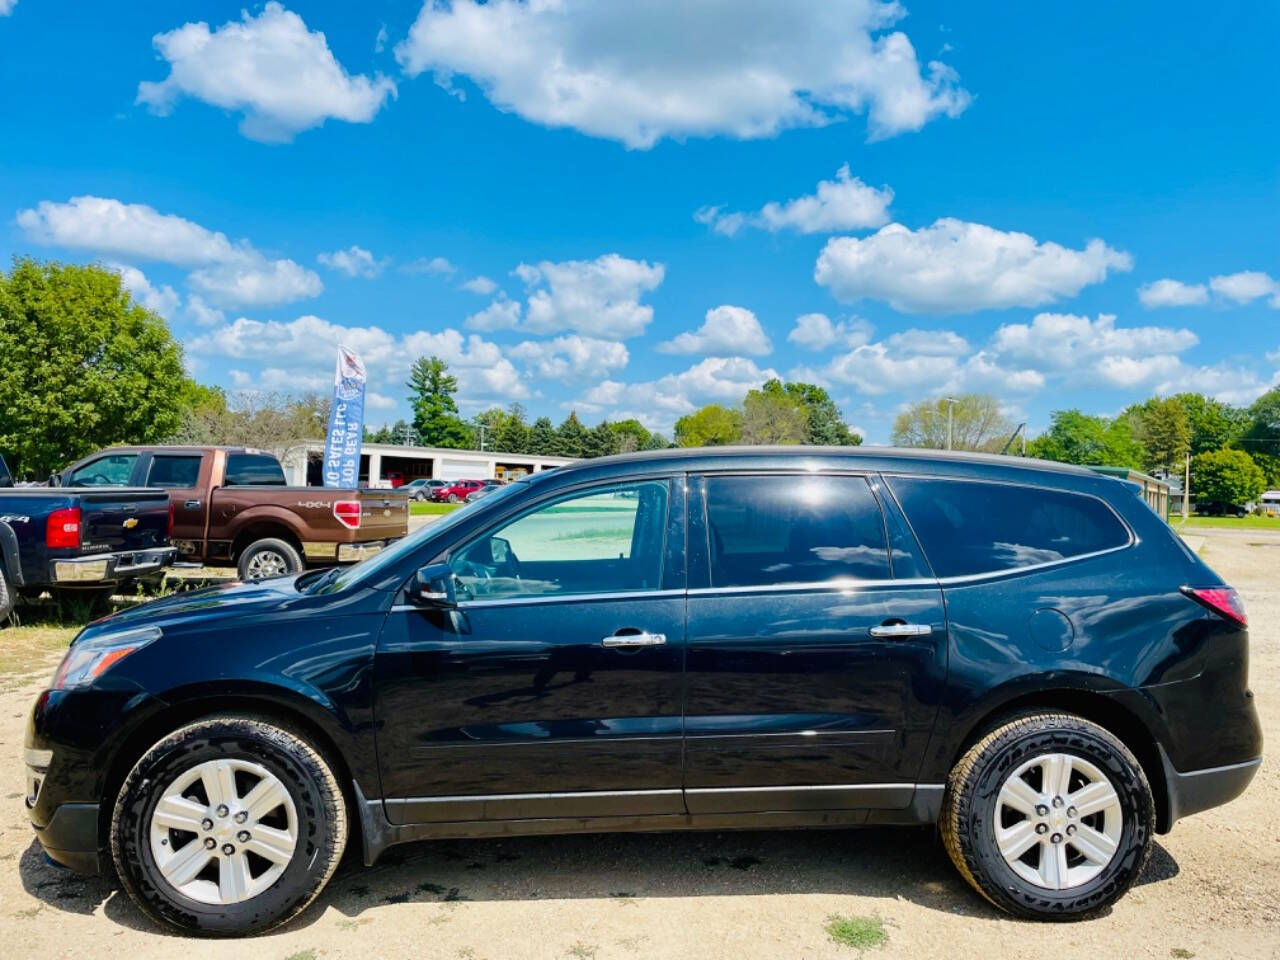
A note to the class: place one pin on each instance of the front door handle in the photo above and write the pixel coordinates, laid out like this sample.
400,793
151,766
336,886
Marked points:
627,640
900,631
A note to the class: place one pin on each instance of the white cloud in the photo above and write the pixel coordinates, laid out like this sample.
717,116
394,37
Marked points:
726,331
484,374
480,285
815,331
638,72
929,343
598,297
659,403
262,285
231,273
282,76
439,265
571,358
354,262
1223,381
959,267
162,300
202,314
1246,286
6,7
502,314
380,41
1172,293
1067,342
845,203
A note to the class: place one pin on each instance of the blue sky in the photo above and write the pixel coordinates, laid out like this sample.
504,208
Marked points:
636,209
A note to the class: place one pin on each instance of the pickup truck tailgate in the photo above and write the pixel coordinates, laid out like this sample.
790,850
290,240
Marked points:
384,515
123,519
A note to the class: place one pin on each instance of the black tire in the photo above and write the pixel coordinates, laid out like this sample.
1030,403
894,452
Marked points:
970,807
6,599
453,498
309,780
262,549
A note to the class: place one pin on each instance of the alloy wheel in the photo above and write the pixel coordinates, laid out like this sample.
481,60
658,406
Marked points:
266,564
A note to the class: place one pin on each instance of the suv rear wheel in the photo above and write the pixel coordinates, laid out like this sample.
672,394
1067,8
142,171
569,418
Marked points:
1049,816
228,826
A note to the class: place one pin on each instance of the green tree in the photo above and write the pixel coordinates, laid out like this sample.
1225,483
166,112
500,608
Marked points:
81,366
571,437
1261,434
773,416
1163,427
826,424
512,435
1075,437
1225,478
631,435
710,426
1214,424
542,438
435,414
600,441
977,424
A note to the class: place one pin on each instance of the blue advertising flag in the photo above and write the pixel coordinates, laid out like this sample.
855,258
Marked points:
346,423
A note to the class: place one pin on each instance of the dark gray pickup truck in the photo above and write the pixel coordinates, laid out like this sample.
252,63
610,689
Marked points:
54,539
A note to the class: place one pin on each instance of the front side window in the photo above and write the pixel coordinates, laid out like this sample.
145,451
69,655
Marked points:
171,471
793,529
109,471
607,540
253,469
970,527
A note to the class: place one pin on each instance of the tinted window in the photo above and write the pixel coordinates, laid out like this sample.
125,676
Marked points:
174,471
109,471
793,529
609,540
247,469
967,527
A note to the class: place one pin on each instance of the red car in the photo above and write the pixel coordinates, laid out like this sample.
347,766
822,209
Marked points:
456,491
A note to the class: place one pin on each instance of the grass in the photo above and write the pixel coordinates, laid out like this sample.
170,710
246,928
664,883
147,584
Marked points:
425,508
1251,522
860,933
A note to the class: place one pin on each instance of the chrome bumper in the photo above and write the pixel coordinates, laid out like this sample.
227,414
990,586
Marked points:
355,552
111,567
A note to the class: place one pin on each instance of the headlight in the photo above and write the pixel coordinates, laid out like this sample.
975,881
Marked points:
90,659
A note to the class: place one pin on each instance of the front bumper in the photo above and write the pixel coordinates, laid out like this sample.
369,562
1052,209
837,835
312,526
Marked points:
1198,790
110,567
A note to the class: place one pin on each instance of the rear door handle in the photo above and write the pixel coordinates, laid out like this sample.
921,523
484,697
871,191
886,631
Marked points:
900,631
635,640
192,504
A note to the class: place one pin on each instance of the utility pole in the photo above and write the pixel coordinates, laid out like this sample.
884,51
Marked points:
951,411
1186,488
482,438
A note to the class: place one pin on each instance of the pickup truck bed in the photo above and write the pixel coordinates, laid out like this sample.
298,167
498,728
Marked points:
52,538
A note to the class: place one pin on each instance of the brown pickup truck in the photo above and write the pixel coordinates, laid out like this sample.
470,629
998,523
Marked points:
231,507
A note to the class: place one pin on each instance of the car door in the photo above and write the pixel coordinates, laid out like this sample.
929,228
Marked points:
553,688
815,658
179,475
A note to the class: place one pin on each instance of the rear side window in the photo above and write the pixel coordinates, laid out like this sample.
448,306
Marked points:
968,527
253,469
167,471
793,529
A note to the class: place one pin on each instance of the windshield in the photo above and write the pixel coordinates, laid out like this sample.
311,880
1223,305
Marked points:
340,578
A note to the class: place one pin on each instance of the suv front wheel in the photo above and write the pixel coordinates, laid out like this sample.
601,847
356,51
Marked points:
1049,816
228,826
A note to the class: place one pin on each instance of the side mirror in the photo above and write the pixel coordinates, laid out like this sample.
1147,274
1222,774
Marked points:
433,586
500,550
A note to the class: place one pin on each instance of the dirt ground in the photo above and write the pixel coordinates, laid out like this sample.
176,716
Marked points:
1212,888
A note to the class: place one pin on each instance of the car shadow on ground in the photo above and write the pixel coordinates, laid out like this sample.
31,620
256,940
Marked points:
906,863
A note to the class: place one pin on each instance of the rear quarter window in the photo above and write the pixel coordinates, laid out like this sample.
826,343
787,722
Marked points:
971,527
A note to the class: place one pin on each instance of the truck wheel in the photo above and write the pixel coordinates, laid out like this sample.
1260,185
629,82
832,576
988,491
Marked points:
228,826
267,558
6,599
1049,817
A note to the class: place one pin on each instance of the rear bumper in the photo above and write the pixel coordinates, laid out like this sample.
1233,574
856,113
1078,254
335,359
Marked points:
343,552
110,567
1197,790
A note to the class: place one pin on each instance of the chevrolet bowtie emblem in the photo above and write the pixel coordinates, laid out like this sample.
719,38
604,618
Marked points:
130,523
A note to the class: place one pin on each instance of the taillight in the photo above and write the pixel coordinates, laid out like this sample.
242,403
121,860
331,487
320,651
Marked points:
1221,600
62,529
348,513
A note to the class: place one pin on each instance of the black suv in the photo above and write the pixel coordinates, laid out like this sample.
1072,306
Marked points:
1020,652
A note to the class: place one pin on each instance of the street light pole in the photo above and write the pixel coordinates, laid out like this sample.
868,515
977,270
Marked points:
951,411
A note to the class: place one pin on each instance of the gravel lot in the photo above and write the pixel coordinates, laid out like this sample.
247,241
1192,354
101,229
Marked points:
1212,888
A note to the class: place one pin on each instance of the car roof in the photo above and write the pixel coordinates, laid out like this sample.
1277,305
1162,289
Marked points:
901,460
